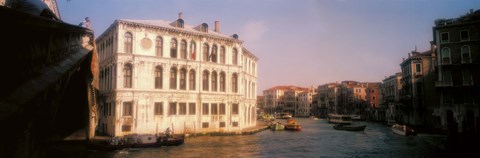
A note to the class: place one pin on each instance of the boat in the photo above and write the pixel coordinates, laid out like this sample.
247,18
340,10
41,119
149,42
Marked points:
277,126
339,119
403,130
356,117
349,128
137,141
285,116
292,125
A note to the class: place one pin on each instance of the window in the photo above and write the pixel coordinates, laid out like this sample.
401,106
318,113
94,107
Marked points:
214,81
222,54
158,108
173,48
205,109
234,56
183,49
191,109
128,42
234,109
234,83
466,54
213,55
205,50
192,49
127,76
445,55
214,109
444,37
235,124
127,108
173,108
464,36
183,108
159,46
126,128
222,124
205,80
222,109
418,68
467,77
447,77
204,124
222,81
158,78
183,79
191,79
173,78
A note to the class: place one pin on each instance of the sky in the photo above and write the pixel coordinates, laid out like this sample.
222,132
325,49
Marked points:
298,42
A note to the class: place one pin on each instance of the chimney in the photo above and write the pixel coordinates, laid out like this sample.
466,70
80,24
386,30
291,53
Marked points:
180,15
217,26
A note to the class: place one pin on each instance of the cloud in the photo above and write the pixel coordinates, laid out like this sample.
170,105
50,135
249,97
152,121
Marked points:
253,31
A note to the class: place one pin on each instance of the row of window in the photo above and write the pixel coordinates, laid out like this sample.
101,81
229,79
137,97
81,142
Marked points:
445,36
208,54
465,54
181,109
207,78
128,128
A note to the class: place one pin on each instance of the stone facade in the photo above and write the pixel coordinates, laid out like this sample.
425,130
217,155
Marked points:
157,74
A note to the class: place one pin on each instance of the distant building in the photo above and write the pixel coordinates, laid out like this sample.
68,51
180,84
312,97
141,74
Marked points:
281,99
261,104
458,70
305,102
156,74
390,92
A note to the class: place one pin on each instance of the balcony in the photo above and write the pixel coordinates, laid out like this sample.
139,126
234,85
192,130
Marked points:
466,60
443,84
446,61
467,82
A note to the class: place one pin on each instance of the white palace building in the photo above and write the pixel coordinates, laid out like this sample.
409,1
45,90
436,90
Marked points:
156,74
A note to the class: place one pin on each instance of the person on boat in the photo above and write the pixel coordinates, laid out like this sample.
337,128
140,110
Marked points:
168,132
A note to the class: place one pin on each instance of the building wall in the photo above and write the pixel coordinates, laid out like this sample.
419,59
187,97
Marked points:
143,94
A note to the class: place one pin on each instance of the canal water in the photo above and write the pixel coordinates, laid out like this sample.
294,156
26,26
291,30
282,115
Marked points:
317,139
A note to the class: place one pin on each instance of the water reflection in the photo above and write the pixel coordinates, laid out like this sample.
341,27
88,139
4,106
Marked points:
317,139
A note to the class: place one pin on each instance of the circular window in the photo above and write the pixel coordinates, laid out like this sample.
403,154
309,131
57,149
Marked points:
146,43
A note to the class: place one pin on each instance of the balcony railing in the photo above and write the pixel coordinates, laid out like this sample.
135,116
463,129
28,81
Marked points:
443,84
446,61
467,82
466,60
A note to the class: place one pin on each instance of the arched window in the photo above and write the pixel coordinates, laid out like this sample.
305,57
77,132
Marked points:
466,54
173,78
234,56
191,80
183,79
205,80
234,83
183,49
445,55
222,81
214,81
127,76
214,54
222,54
205,52
193,48
128,42
159,46
158,77
173,48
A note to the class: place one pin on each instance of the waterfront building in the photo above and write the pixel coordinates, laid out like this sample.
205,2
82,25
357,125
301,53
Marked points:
328,98
418,94
304,107
390,92
156,74
458,71
281,99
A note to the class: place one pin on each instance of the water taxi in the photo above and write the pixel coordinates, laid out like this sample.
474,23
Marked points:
403,130
339,119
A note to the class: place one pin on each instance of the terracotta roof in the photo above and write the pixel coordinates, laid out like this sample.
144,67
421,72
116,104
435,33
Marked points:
285,88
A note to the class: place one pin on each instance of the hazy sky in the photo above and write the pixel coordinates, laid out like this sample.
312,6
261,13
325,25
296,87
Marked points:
299,42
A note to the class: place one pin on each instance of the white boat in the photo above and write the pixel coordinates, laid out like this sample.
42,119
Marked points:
339,119
286,116
403,130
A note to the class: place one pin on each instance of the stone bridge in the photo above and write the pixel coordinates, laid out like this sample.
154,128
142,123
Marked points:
49,81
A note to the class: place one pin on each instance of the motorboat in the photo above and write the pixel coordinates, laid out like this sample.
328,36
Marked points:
339,119
403,130
293,125
277,126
